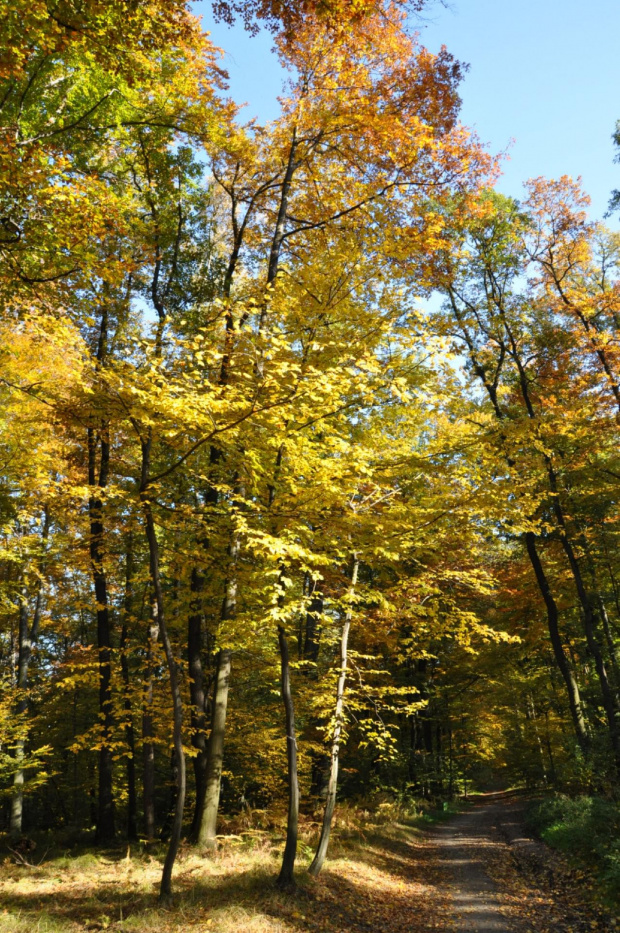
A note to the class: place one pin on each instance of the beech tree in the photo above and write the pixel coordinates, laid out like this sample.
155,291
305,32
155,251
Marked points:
268,522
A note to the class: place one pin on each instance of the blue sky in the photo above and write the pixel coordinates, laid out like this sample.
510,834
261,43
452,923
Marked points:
543,82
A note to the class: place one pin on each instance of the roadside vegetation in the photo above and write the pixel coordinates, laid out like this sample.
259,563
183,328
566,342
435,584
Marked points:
587,830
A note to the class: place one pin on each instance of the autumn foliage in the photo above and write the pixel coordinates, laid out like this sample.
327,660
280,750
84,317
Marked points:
243,458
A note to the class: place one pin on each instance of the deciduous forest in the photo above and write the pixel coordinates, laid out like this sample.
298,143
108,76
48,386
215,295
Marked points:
309,471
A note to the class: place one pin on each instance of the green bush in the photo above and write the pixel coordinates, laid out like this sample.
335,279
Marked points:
587,828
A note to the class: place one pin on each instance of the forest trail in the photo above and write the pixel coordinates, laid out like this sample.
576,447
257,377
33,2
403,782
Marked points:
478,872
498,879
465,846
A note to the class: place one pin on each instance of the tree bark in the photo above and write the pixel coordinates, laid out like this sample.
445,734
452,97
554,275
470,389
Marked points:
27,639
313,613
286,877
609,638
17,799
280,227
330,803
132,809
197,695
588,614
572,688
215,753
206,834
98,480
105,800
148,748
165,891
590,628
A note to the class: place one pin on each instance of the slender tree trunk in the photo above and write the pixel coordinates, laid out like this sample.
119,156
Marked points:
286,877
165,891
588,614
330,803
450,762
132,808
175,690
609,638
148,747
552,770
105,802
98,480
311,647
564,666
280,227
612,576
206,835
589,624
197,695
27,639
313,613
531,715
215,753
169,808
229,602
17,799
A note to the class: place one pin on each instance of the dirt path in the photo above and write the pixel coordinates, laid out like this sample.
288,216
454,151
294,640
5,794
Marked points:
500,880
466,845
477,873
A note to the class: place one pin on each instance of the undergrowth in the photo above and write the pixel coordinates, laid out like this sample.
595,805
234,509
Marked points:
366,876
588,830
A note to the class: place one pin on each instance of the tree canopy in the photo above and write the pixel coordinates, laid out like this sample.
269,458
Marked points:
245,458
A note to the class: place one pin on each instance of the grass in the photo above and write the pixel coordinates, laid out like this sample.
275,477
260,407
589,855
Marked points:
373,880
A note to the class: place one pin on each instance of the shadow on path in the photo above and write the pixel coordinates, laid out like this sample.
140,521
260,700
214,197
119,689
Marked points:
465,845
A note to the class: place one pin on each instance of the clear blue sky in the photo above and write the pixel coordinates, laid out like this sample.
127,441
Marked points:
544,74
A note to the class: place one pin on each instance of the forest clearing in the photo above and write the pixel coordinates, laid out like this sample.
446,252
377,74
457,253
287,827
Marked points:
309,465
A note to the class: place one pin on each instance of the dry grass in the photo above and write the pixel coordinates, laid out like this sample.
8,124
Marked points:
378,878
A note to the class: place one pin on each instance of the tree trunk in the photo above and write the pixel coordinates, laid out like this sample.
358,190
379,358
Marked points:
132,809
105,799
197,696
286,877
215,753
17,799
165,891
532,717
313,614
319,775
552,770
206,835
280,227
589,625
572,688
568,676
609,638
588,614
148,748
330,803
98,480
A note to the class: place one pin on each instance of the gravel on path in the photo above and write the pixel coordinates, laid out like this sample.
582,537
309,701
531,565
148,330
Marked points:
498,879
465,846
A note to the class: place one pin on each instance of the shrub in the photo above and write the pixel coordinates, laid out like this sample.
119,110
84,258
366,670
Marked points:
587,828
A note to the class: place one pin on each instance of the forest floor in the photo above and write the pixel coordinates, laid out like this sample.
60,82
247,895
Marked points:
478,872
501,880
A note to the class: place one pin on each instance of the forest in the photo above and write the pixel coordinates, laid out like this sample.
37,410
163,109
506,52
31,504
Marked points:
309,444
